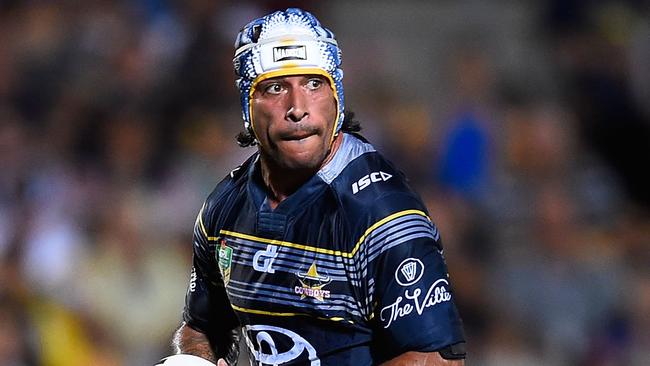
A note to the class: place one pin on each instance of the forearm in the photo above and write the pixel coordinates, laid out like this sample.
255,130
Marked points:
422,359
189,341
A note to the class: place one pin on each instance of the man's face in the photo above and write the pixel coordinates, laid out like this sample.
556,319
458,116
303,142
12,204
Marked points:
293,118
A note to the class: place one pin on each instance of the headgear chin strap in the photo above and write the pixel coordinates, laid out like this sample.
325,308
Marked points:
290,42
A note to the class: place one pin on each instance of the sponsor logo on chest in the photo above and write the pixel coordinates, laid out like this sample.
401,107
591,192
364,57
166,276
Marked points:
312,283
263,259
271,345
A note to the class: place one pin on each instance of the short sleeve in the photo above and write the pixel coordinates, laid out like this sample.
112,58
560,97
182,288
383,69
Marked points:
413,300
207,307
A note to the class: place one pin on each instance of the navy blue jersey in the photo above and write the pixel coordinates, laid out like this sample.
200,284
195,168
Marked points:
347,270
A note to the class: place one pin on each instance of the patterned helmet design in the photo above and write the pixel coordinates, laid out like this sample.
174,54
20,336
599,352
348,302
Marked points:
290,42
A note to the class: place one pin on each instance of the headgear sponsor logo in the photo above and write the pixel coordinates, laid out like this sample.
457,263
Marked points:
287,53
277,346
404,306
312,283
409,271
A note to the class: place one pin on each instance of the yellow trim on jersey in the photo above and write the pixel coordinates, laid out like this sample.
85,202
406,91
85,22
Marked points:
383,221
264,312
199,219
310,248
284,243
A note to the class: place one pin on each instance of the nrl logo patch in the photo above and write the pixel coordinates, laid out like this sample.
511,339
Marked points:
224,258
312,284
286,53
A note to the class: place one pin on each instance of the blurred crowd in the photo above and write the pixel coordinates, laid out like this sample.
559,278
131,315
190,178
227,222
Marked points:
117,118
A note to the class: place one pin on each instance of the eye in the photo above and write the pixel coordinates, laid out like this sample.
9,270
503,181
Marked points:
273,88
315,83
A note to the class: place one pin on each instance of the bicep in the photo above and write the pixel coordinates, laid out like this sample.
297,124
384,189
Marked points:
422,359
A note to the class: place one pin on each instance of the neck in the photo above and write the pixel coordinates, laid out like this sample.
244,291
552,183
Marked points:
281,182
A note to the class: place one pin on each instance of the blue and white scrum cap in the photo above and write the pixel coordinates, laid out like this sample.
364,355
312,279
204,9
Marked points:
290,42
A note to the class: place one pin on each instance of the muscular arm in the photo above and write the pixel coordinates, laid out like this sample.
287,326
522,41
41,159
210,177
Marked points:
189,341
422,359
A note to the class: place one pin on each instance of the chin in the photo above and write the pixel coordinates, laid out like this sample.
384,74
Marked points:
294,163
302,158
301,161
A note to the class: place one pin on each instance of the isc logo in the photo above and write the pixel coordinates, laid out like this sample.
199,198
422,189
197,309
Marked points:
367,179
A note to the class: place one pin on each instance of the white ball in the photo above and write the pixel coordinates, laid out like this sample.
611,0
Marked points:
184,360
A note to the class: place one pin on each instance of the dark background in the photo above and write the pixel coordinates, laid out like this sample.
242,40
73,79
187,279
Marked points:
523,124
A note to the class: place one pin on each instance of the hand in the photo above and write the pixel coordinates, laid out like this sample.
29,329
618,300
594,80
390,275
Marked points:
222,362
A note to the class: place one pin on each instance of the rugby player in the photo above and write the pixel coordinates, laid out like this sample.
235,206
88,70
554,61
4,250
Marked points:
315,249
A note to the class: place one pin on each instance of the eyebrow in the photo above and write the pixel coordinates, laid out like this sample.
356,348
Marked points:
281,77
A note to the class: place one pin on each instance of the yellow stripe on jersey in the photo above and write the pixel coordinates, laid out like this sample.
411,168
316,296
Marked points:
284,243
199,220
264,312
383,221
323,250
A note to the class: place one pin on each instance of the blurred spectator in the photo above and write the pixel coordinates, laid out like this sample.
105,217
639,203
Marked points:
593,63
525,125
133,282
466,154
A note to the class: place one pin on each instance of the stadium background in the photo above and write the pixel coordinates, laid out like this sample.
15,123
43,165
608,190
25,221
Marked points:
524,125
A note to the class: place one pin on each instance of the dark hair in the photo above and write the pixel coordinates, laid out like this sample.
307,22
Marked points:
246,138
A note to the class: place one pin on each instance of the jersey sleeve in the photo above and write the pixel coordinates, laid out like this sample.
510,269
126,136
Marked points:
413,300
207,308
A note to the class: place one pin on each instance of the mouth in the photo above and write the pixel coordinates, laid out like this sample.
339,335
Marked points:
298,135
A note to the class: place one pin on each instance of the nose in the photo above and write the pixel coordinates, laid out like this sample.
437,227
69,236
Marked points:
298,108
